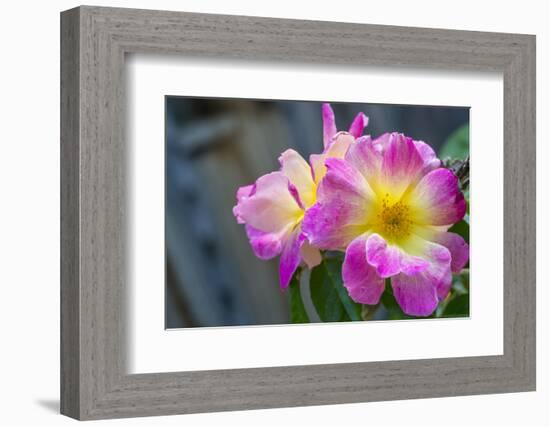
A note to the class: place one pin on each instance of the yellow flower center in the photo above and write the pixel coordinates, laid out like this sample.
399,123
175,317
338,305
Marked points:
299,218
394,220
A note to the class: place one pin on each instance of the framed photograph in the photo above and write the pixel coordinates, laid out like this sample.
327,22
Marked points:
261,213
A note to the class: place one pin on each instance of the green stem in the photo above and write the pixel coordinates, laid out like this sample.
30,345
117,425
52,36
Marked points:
298,312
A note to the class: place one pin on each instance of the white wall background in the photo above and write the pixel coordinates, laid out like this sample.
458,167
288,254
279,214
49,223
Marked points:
29,212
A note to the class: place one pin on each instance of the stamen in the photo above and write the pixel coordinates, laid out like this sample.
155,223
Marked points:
394,220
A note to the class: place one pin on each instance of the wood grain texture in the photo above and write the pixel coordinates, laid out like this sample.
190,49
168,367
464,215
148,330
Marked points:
94,380
70,221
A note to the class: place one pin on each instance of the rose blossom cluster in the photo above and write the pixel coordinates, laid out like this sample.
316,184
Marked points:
386,202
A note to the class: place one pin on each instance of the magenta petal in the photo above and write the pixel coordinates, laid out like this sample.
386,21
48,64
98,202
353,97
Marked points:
290,257
428,155
401,164
390,260
295,194
459,249
364,286
325,230
444,281
242,194
338,148
329,124
271,206
441,199
358,125
317,162
342,207
439,271
264,245
416,295
342,176
413,264
300,177
366,157
245,191
385,258
383,141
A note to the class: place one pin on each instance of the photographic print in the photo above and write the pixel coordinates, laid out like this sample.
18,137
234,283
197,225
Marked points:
280,212
218,253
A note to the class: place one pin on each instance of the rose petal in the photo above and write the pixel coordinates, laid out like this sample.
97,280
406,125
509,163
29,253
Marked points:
385,258
419,294
329,124
428,155
392,162
337,149
242,194
290,257
364,286
324,233
401,166
366,157
459,249
390,260
340,145
245,191
299,173
272,207
265,245
359,123
342,207
310,254
436,199
382,142
416,295
295,194
317,162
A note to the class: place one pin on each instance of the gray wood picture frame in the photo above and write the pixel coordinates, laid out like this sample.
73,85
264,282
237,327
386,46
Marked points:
94,381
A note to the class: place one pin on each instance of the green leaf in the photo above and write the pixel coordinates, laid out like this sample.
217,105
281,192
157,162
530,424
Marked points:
462,229
457,144
389,302
368,312
298,312
388,299
334,270
328,294
459,306
461,282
